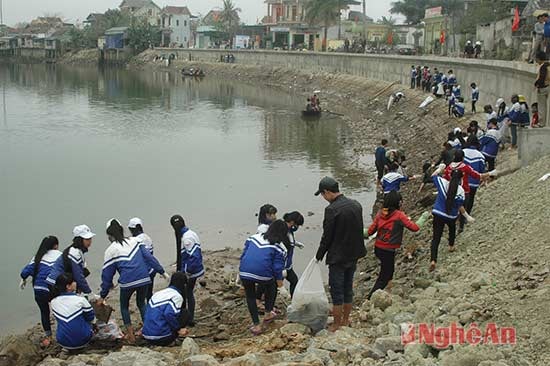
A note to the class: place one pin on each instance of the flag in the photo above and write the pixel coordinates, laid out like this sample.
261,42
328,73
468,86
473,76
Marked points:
390,38
442,37
515,24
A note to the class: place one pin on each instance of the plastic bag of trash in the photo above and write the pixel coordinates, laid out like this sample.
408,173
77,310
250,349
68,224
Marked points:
309,304
108,331
426,101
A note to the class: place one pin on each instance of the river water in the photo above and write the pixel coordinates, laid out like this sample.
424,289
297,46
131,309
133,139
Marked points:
84,145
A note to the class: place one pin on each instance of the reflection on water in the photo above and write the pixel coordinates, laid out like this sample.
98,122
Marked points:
84,145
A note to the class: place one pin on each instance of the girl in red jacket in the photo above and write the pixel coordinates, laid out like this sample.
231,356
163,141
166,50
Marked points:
389,224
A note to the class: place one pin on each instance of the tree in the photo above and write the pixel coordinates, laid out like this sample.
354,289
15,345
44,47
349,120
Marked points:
141,35
229,19
325,13
413,10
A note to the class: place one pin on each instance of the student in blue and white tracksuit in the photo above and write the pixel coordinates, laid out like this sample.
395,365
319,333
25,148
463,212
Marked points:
189,245
266,215
73,313
72,260
166,315
392,180
135,226
39,268
293,220
490,142
263,262
476,160
475,96
449,200
132,261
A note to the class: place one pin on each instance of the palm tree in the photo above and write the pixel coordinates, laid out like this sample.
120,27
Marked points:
325,13
229,18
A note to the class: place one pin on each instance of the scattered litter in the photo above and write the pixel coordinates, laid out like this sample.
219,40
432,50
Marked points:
426,101
544,177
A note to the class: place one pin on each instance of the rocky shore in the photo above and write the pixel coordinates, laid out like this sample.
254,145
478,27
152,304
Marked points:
498,274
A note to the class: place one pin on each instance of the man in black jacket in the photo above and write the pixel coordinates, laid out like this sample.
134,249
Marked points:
342,242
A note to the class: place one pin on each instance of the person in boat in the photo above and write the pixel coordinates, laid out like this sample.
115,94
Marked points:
309,105
317,103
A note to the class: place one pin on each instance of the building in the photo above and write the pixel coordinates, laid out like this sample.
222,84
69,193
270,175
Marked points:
116,38
57,43
435,31
142,9
94,18
536,7
207,36
409,35
212,17
286,21
175,23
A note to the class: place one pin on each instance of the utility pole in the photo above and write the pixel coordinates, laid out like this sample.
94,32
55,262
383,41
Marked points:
365,23
1,12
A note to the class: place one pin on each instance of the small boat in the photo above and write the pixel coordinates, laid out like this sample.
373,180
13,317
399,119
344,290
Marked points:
311,113
192,74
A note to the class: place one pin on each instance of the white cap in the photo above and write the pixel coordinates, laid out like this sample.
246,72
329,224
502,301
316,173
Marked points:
499,102
457,130
83,231
469,42
478,42
109,223
135,222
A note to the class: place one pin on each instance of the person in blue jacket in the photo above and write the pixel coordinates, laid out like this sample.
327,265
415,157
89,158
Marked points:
166,315
73,313
491,140
293,220
392,180
72,260
189,245
132,261
135,225
380,160
518,115
39,268
475,159
263,262
450,198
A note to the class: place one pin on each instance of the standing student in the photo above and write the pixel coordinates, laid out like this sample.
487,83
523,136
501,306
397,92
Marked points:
262,262
543,86
477,49
413,77
380,160
388,224
39,268
293,220
467,171
72,260
189,244
342,242
450,197
515,115
166,315
266,215
392,180
418,77
135,226
475,96
132,261
475,160
73,313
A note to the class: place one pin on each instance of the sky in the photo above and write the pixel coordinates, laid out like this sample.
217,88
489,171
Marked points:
16,11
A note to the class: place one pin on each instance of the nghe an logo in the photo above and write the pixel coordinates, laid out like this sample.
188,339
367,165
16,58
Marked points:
443,337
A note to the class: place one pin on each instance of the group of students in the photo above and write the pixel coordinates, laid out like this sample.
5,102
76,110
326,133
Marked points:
58,276
456,176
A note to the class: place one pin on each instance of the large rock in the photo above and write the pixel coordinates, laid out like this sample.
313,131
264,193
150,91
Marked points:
386,344
295,328
200,360
138,357
189,348
19,350
380,299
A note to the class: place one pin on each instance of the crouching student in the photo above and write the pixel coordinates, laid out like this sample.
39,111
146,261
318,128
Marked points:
189,245
262,262
39,268
392,181
73,313
389,224
132,261
293,221
166,315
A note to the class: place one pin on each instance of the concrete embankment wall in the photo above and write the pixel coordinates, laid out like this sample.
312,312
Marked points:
495,78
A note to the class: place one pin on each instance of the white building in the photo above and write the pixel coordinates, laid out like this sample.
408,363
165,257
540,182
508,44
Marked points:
142,9
176,26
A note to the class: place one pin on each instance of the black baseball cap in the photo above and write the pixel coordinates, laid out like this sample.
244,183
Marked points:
329,184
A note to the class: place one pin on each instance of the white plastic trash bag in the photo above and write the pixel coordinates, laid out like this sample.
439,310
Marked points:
426,101
310,303
108,331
